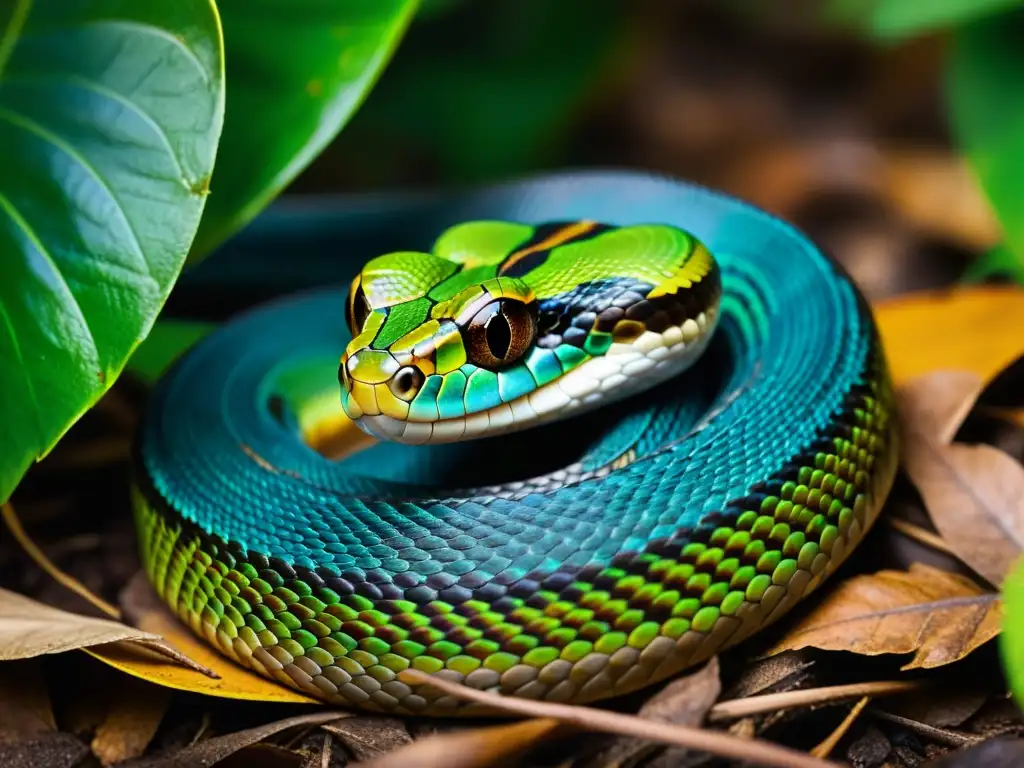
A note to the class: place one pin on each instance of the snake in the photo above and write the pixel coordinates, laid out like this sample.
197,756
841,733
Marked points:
560,438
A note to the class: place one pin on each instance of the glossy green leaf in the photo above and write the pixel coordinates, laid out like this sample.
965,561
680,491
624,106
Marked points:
168,340
986,70
297,70
907,18
110,112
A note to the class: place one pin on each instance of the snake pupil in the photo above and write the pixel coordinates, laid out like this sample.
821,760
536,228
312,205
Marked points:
500,334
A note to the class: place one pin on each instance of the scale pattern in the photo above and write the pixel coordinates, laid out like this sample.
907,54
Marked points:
334,577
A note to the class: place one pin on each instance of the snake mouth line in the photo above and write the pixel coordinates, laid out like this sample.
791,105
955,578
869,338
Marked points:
624,370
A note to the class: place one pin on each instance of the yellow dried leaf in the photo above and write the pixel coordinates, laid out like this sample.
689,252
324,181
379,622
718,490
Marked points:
974,329
938,616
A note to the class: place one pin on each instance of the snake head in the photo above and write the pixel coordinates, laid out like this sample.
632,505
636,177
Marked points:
506,325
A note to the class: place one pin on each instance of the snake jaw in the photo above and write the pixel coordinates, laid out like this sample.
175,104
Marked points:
623,370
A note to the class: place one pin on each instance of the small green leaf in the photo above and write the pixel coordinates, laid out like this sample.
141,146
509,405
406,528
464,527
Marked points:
985,74
110,112
168,340
298,69
1011,641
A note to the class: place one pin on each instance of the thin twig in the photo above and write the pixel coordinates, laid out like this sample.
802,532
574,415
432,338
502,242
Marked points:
325,752
824,749
40,558
772,702
921,535
722,744
953,738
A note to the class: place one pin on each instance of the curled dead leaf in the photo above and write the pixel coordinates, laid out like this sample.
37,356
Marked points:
938,616
974,494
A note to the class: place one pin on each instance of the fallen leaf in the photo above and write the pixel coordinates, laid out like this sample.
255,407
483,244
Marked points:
754,751
871,748
974,494
25,710
939,735
995,753
783,672
145,610
935,405
369,737
131,722
938,616
212,751
29,628
917,330
684,701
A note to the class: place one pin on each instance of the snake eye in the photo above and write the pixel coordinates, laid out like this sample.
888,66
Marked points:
500,334
406,382
358,308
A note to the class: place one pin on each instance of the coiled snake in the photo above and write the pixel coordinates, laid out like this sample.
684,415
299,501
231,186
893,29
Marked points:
695,427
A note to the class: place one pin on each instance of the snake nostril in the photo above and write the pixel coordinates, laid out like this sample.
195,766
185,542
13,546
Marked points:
406,382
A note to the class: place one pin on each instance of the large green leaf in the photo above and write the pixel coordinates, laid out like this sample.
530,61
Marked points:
986,69
898,19
110,112
297,70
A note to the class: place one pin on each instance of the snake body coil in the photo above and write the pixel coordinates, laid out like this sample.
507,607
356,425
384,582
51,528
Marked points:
710,435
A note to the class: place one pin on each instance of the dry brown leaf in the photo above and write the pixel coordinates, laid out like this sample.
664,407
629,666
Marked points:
995,753
25,710
131,722
684,701
494,745
936,404
938,616
29,628
212,751
974,493
753,751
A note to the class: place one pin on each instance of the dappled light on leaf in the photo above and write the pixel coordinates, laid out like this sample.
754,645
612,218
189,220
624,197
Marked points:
940,617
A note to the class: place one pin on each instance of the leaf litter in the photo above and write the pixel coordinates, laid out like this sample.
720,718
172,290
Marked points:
805,699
